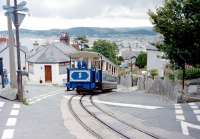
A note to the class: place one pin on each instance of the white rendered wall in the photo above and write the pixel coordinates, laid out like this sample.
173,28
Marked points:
154,61
6,60
39,74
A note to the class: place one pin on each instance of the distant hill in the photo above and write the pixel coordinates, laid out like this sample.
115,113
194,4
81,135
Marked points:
90,32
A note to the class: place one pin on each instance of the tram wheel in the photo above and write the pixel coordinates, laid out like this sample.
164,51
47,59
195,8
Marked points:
79,92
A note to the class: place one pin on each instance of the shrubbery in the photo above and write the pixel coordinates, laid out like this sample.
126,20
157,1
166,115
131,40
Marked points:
189,73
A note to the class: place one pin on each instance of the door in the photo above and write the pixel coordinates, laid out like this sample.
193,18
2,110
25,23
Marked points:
48,73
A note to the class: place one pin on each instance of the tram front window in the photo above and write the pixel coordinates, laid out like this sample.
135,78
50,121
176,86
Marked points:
82,65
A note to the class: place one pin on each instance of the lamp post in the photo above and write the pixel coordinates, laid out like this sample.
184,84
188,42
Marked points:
16,14
19,75
133,57
11,43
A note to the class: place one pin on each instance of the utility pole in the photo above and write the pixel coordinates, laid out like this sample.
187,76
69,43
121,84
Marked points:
19,75
11,43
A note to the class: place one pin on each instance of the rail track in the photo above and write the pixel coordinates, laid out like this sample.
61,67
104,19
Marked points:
78,119
123,122
101,117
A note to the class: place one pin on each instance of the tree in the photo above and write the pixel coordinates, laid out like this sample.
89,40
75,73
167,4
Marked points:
106,48
82,40
141,60
154,73
179,23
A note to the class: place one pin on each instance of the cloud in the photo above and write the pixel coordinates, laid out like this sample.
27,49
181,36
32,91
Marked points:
71,13
72,9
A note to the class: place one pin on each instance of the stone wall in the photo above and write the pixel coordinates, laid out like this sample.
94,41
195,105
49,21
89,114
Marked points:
164,88
127,80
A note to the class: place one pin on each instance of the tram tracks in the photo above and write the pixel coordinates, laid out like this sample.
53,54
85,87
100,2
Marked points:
102,124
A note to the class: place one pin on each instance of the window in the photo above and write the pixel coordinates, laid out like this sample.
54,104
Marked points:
106,66
63,68
30,67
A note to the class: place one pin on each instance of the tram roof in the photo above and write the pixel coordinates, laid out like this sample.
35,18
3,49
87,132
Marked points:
91,55
85,54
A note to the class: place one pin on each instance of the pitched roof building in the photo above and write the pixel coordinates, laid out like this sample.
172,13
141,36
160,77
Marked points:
48,63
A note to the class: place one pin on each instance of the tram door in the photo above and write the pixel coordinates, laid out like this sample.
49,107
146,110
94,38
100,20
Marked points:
48,73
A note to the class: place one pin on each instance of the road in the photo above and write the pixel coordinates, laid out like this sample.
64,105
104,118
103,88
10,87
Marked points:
48,117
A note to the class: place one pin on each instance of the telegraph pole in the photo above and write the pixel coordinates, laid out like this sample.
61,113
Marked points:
11,43
19,75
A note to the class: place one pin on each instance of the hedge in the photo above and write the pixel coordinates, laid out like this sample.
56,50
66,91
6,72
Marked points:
189,73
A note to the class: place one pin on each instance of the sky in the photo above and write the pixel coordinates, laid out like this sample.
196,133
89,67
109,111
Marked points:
63,14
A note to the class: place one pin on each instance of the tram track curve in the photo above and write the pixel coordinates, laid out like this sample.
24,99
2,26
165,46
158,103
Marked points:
123,122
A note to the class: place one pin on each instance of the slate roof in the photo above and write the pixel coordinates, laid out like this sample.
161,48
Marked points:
129,54
52,53
151,48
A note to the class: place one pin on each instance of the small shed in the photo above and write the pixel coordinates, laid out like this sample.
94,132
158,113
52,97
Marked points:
49,63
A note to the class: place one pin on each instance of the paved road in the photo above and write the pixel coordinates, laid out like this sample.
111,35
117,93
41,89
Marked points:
169,121
40,120
47,116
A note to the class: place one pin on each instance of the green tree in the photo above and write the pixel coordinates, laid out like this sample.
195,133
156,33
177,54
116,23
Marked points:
82,40
154,73
141,60
179,23
107,48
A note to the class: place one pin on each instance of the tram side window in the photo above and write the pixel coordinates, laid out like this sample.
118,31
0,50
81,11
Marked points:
73,64
106,65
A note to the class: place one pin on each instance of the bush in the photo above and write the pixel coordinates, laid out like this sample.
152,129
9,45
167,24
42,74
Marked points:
154,73
189,73
141,60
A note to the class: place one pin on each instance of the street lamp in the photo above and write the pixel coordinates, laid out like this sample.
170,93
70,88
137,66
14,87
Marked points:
17,15
133,57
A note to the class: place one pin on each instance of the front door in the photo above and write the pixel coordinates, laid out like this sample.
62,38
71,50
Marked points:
48,73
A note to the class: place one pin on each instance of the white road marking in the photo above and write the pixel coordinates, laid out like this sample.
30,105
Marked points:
8,134
49,93
191,104
16,106
180,117
194,107
119,104
11,122
179,111
128,105
2,104
186,125
177,107
14,112
40,98
177,104
198,117
196,111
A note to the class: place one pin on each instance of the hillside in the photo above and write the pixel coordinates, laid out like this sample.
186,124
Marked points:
90,32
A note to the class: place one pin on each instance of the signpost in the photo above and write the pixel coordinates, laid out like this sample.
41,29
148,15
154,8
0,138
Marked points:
17,14
1,72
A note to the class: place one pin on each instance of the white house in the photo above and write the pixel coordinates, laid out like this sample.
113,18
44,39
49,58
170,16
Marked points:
155,60
49,63
4,53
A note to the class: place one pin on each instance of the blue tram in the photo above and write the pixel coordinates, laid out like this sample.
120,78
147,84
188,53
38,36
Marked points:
91,71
